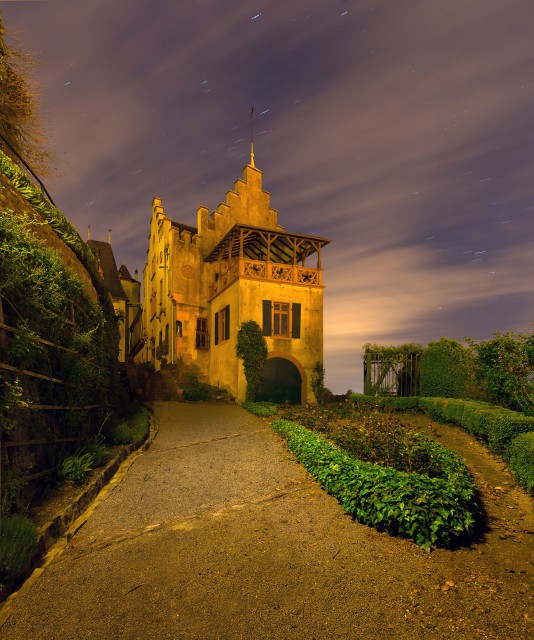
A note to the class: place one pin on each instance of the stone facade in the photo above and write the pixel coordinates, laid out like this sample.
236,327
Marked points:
238,264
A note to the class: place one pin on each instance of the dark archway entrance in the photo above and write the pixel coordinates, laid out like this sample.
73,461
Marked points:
281,382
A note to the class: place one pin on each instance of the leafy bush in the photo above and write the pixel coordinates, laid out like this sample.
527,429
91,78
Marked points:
75,467
194,389
447,370
317,383
18,540
521,454
131,431
392,403
496,425
506,370
431,511
251,347
261,409
98,450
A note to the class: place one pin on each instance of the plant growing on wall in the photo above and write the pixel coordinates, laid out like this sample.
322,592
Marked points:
317,382
251,347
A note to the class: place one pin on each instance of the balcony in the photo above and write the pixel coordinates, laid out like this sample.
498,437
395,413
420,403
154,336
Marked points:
266,271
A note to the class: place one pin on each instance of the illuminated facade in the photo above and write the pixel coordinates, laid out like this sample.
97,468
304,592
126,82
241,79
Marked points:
238,264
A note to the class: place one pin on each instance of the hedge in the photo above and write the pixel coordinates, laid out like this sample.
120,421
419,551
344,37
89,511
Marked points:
261,409
521,454
431,511
496,425
393,403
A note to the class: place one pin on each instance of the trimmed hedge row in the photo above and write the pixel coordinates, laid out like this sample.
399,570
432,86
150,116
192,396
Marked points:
496,425
431,511
393,403
521,454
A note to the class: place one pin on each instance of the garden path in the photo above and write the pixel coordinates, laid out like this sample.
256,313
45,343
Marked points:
215,532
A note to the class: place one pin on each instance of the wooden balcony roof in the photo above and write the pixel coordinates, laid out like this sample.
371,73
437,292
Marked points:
256,243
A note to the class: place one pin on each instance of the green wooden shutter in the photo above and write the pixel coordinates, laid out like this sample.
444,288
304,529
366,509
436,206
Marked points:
267,318
295,320
216,327
226,311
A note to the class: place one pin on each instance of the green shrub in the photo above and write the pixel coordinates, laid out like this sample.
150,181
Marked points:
18,540
196,392
392,403
75,467
261,409
134,430
431,511
447,370
98,450
505,366
521,453
496,425
251,347
120,433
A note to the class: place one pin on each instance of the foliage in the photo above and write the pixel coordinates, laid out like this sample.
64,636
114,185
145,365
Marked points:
521,454
98,449
317,382
431,511
20,124
391,403
251,347
76,466
496,425
401,360
447,370
18,541
261,409
194,389
134,430
34,277
12,484
505,366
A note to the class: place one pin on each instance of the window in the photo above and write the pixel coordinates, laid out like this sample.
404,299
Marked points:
202,336
222,324
281,319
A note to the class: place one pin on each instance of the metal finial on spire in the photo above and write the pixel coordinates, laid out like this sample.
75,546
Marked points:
252,136
109,236
88,232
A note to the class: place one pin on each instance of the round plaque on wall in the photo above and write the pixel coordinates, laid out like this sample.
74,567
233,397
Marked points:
188,271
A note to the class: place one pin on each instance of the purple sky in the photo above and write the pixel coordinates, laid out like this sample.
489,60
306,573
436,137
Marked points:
402,131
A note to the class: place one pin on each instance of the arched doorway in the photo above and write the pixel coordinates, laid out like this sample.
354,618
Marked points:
280,382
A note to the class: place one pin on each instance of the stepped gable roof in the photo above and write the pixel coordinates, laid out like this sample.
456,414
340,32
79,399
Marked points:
108,267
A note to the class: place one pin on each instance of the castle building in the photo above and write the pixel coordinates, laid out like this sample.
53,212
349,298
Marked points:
125,292
238,264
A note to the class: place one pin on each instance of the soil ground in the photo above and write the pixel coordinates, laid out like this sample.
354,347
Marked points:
216,532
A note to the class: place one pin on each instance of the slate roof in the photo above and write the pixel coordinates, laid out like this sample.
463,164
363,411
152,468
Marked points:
106,260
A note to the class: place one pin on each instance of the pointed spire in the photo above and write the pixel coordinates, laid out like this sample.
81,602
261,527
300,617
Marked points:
109,236
88,233
252,136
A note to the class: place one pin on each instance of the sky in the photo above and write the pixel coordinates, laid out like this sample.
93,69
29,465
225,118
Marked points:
401,131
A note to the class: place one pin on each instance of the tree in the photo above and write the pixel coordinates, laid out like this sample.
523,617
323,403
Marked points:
251,347
506,369
20,124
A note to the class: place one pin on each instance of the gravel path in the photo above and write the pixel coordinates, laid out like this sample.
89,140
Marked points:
215,532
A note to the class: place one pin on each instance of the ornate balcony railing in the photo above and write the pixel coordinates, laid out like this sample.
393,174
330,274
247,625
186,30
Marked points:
270,271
